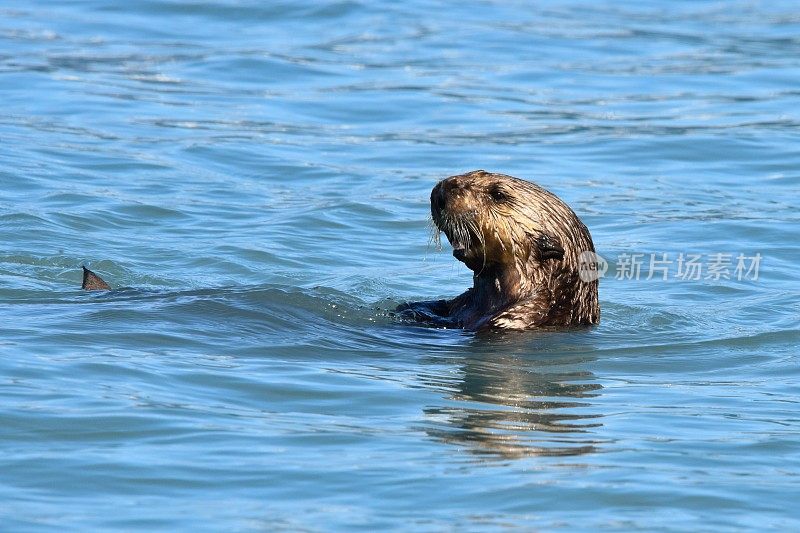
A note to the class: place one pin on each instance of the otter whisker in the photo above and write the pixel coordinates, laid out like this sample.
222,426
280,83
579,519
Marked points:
482,239
435,235
461,233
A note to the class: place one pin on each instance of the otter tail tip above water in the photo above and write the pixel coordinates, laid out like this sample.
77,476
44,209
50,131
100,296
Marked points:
93,282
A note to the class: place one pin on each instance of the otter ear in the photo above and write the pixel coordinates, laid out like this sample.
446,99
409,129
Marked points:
549,247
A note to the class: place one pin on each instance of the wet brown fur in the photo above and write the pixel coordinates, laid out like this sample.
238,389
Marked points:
523,245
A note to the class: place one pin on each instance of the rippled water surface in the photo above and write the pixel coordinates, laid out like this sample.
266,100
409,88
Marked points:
253,177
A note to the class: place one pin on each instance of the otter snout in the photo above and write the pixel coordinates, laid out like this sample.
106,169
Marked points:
453,210
438,200
447,197
442,193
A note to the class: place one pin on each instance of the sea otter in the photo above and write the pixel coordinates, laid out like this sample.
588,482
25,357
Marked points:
532,258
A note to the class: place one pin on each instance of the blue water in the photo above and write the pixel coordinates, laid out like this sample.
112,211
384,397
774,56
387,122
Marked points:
254,177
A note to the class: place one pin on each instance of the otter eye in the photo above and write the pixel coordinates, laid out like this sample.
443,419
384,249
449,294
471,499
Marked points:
498,194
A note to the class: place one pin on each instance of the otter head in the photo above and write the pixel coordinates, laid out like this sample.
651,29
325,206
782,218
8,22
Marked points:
515,234
494,220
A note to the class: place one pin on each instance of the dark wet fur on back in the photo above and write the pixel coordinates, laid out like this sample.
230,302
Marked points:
524,247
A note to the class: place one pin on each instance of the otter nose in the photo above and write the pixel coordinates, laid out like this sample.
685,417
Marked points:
444,189
438,200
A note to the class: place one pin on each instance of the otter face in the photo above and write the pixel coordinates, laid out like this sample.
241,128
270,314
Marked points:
496,220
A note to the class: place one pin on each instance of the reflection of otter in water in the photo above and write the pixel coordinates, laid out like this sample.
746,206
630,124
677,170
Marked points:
526,249
508,403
